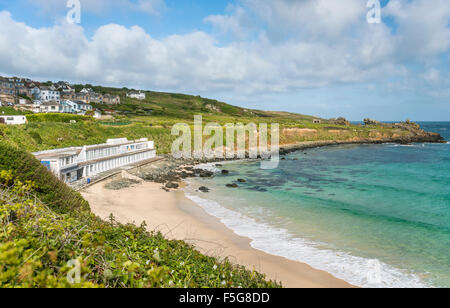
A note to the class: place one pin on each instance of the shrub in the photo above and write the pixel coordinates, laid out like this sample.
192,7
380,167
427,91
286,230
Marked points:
37,246
54,193
36,137
57,117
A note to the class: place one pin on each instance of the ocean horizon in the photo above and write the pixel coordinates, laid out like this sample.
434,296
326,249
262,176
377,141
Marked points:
372,215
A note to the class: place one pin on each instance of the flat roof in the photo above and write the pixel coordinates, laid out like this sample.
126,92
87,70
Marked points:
61,154
106,145
64,152
90,162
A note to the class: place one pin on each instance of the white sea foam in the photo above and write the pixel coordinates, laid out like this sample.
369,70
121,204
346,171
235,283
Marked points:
353,269
208,167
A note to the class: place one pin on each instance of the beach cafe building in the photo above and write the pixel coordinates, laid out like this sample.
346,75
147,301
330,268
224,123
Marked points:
75,163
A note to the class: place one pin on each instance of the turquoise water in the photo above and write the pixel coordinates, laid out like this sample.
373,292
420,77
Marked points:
350,210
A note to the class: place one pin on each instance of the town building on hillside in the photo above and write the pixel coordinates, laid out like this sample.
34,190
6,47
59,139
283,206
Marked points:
24,91
82,97
35,92
136,95
317,121
49,107
87,91
97,115
76,163
68,106
13,120
6,86
83,107
68,96
49,94
64,87
109,99
95,98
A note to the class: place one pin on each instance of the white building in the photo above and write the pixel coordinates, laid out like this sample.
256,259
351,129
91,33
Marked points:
83,107
50,94
137,95
97,115
68,106
73,164
13,120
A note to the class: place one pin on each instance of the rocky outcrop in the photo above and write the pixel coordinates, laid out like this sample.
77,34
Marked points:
172,185
234,185
204,189
371,122
340,121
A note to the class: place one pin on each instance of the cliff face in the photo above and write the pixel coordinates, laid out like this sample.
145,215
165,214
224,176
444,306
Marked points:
421,136
417,134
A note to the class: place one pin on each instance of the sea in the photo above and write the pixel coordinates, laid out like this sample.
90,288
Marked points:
372,215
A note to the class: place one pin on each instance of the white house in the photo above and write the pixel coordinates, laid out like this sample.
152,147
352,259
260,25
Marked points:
83,107
68,106
13,120
97,115
137,95
35,92
50,94
50,107
87,91
76,163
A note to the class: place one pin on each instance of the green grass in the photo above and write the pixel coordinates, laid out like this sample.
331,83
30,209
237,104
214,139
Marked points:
9,111
56,118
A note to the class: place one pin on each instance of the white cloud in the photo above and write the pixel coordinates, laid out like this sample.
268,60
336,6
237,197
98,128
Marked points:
423,26
152,7
279,46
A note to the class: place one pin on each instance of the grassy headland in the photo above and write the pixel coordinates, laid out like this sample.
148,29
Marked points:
154,117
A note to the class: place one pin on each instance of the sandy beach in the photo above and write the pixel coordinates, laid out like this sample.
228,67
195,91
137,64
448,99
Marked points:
179,218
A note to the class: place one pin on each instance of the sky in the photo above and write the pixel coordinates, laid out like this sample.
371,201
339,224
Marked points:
317,57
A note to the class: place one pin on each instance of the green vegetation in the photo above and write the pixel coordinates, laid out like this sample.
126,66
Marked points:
54,193
153,118
9,111
56,118
39,136
45,225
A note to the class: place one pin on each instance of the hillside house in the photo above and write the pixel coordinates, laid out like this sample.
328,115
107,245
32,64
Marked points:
95,98
13,120
83,107
49,107
109,99
6,86
136,95
48,94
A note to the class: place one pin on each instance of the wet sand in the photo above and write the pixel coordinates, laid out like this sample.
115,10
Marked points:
179,218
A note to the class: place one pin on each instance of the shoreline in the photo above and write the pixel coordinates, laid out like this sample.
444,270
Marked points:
179,218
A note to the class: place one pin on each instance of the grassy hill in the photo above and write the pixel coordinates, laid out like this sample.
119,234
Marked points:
154,116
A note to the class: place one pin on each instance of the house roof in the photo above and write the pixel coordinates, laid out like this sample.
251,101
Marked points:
50,103
60,154
47,88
